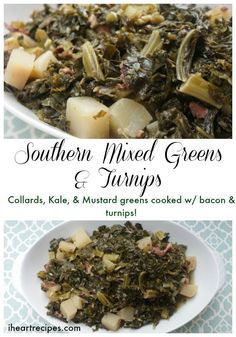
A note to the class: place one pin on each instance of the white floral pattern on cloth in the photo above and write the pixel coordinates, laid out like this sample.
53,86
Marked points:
15,128
215,318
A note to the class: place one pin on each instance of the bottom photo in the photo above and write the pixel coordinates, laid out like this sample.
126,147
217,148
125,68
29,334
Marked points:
126,276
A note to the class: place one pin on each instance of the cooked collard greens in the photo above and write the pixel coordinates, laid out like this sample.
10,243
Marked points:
125,71
122,275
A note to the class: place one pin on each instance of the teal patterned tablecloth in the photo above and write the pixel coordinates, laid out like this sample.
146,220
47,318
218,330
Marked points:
15,128
215,318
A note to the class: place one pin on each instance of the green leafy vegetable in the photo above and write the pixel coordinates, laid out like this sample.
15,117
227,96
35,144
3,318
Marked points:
90,62
185,55
153,45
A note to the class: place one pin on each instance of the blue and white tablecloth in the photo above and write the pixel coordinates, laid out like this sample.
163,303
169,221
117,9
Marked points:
14,128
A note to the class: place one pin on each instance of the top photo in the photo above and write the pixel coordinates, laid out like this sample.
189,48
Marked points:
96,71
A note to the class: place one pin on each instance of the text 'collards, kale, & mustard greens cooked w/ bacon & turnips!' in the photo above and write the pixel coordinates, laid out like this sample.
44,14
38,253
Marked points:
120,276
125,71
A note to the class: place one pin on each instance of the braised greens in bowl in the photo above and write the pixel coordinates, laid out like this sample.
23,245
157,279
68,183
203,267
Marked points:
119,276
129,71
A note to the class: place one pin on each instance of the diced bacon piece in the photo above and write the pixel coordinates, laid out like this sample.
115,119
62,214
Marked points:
103,29
87,267
224,8
66,71
140,134
198,111
161,252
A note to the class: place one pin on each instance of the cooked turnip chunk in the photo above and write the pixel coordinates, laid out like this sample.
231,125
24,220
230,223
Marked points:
145,244
192,262
128,118
11,43
111,257
110,266
41,64
134,12
51,255
52,291
108,261
18,68
60,255
88,118
219,13
81,238
189,290
77,301
67,247
111,321
127,314
68,309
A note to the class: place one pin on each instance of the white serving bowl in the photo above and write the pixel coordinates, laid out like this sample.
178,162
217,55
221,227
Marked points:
209,275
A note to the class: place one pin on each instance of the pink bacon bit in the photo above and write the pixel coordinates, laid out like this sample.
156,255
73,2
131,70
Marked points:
66,71
88,267
46,285
103,29
224,8
123,74
140,134
123,70
161,252
11,28
198,111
